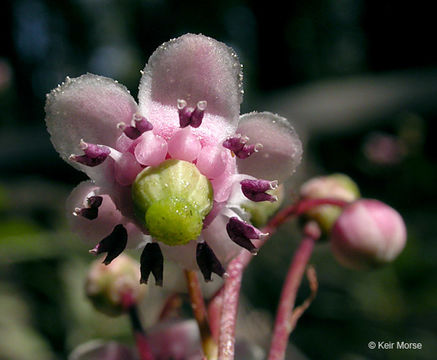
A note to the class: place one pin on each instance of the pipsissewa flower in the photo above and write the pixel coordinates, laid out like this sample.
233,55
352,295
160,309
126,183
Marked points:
170,173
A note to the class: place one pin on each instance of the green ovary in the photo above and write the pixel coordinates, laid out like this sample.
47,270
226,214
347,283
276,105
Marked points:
172,200
173,222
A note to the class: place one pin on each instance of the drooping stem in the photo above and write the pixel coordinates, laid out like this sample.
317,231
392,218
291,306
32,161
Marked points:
297,209
139,334
209,346
171,306
283,323
236,267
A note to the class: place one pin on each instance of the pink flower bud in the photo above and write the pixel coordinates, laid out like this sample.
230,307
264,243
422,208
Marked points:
335,186
368,233
114,288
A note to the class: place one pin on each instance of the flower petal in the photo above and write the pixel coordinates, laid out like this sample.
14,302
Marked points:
282,148
217,238
192,68
93,231
183,255
88,107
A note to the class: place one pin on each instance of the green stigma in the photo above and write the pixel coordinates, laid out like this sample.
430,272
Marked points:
172,200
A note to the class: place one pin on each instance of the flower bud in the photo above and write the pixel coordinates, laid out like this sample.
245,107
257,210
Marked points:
368,233
172,200
336,186
260,212
113,288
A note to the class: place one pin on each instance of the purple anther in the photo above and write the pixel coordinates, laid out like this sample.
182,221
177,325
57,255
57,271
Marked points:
92,210
113,244
208,262
132,132
239,147
94,201
94,154
190,116
241,233
248,150
152,261
184,113
197,114
87,213
142,124
235,144
255,190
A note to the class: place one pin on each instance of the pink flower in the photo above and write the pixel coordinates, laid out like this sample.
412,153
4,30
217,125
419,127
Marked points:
170,174
368,233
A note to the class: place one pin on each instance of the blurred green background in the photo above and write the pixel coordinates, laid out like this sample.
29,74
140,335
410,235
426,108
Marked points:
357,78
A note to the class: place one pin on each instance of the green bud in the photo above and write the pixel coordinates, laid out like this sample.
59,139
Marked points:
336,186
172,200
113,288
260,212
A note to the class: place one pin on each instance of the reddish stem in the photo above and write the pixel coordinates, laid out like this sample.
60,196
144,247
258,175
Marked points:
143,346
236,267
171,307
297,209
283,326
198,305
215,305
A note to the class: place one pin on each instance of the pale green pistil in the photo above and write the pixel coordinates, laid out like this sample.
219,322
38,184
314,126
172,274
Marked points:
172,200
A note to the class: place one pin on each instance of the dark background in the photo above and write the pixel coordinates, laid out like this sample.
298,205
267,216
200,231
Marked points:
347,73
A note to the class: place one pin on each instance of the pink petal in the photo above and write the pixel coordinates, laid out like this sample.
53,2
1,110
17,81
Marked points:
88,107
217,238
184,145
123,143
175,339
92,231
151,149
95,230
282,148
126,169
192,68
183,255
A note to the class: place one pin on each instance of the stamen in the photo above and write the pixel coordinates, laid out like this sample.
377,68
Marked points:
197,114
94,154
184,113
239,147
152,261
255,190
142,124
113,244
95,201
92,210
190,116
208,262
139,126
241,233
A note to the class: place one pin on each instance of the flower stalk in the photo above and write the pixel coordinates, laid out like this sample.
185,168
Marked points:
284,324
209,345
141,342
232,284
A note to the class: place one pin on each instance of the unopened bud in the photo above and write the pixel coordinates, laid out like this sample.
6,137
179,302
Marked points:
114,288
336,186
368,233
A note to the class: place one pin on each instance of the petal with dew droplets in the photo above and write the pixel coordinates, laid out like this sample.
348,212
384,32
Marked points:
88,107
193,68
281,149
